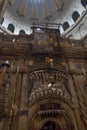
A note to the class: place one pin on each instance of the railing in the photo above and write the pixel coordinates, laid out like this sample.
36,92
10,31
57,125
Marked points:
46,73
52,112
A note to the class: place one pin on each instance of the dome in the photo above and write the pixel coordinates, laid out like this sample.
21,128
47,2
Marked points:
65,15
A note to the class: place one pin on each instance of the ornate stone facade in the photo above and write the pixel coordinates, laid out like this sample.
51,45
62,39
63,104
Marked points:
43,82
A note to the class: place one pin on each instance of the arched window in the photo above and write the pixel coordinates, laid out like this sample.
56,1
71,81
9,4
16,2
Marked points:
70,36
11,27
2,20
84,2
21,32
75,16
66,25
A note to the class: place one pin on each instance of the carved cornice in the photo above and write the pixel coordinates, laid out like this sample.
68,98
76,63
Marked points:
22,45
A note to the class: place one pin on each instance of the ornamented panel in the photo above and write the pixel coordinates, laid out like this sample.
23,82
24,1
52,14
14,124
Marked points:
46,40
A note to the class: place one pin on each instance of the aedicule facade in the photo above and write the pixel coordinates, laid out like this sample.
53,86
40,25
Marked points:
43,82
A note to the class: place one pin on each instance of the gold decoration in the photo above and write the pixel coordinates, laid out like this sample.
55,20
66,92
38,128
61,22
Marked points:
30,63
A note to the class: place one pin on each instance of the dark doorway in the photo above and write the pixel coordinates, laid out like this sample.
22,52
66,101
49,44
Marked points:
51,126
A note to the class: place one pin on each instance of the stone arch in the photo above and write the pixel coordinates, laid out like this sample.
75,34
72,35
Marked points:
68,120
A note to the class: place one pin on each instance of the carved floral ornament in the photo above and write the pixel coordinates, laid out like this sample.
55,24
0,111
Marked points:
44,91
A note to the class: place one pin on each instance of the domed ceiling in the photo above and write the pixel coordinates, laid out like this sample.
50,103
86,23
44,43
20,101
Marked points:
23,13
37,9
40,9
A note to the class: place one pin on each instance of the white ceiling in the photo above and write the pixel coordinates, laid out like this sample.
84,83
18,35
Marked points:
22,13
47,10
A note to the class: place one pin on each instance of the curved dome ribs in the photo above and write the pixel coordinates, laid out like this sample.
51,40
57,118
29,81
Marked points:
58,4
34,12
38,9
46,11
22,8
